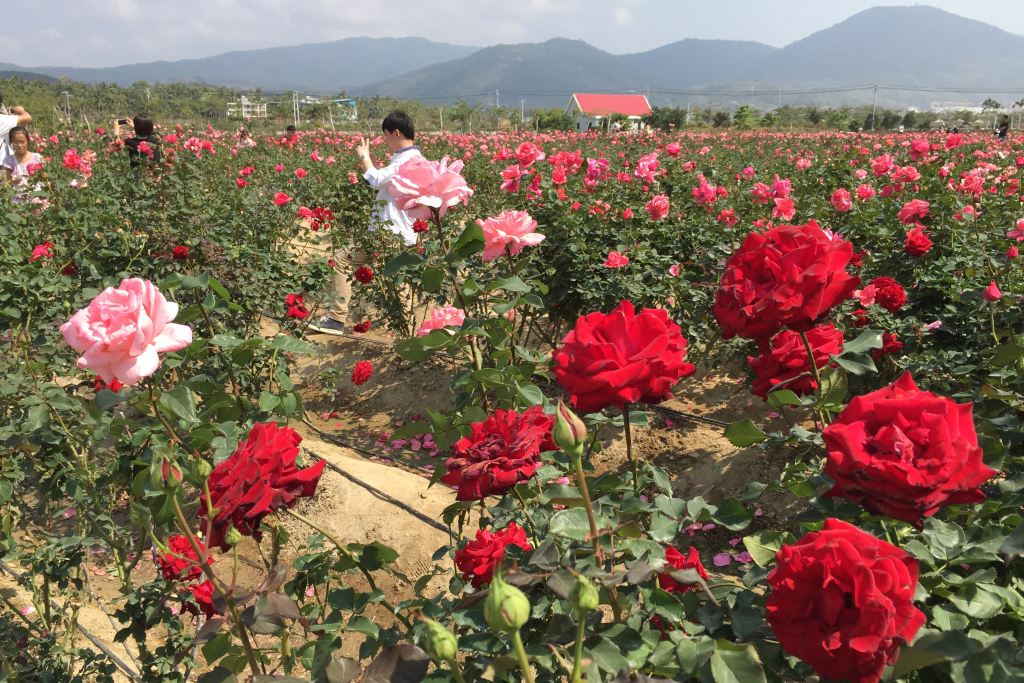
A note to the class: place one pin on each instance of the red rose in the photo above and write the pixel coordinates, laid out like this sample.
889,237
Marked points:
622,357
203,594
786,360
362,371
842,601
296,308
280,199
362,327
889,294
115,384
179,252
364,274
501,451
913,211
890,344
481,556
420,225
181,562
789,276
676,560
905,453
917,243
258,478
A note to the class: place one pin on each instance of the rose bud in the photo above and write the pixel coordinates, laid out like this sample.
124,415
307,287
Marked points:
441,643
569,432
584,596
507,608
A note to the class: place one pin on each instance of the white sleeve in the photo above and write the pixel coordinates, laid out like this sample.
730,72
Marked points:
377,176
7,121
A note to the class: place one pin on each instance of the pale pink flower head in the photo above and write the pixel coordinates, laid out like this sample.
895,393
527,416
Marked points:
512,230
420,186
440,318
658,207
1018,232
122,331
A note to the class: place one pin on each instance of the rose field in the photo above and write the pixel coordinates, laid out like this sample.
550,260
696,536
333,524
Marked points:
660,406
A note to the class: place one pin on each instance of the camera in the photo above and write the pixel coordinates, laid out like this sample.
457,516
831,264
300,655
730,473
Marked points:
122,122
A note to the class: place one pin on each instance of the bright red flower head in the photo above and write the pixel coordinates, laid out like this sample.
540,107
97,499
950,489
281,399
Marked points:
785,360
180,563
295,307
361,372
179,252
889,294
501,451
676,560
843,601
280,199
478,559
905,453
790,276
258,478
913,211
203,593
364,274
621,357
917,242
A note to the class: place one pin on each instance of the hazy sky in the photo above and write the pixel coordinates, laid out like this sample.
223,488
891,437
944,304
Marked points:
111,32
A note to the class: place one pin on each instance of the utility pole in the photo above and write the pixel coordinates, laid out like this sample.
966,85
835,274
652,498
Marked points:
780,98
522,110
295,107
440,111
497,99
874,107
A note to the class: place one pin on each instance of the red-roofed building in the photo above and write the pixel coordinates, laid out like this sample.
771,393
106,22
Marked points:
590,110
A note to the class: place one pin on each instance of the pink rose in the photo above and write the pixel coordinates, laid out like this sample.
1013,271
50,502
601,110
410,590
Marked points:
658,207
616,260
440,318
421,185
841,200
122,330
527,153
512,230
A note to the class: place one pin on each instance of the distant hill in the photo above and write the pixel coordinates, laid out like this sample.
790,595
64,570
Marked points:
899,45
15,72
315,67
910,46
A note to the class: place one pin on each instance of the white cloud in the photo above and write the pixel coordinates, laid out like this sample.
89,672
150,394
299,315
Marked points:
623,17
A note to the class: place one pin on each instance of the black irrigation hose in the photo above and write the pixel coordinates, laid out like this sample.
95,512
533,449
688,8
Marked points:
128,671
369,487
691,416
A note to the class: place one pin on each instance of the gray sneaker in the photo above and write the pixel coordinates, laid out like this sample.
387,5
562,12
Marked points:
329,326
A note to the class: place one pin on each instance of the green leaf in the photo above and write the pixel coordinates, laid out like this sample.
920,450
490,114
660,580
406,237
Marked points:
763,545
782,397
6,491
1014,543
432,279
733,515
180,402
218,675
404,260
864,343
571,523
513,283
945,540
977,601
470,242
217,647
856,363
933,647
363,625
744,433
529,393
284,342
733,663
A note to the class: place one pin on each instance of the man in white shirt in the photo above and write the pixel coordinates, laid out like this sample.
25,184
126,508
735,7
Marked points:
16,116
399,136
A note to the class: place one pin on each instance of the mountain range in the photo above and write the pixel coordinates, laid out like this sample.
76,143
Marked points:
919,46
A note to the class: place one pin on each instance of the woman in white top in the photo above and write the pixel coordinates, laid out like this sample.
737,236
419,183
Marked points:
16,166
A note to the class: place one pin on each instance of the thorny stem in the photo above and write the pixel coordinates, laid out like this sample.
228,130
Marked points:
821,413
577,660
629,449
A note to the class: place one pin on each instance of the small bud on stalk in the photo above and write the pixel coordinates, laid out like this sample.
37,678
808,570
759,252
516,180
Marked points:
507,608
569,432
584,595
441,643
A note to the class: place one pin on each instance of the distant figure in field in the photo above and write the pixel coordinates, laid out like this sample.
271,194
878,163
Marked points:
9,118
399,136
16,164
244,138
1004,128
143,143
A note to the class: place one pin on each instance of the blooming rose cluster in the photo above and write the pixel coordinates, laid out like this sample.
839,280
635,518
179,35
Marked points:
905,453
421,186
509,231
500,452
621,357
786,365
478,559
257,479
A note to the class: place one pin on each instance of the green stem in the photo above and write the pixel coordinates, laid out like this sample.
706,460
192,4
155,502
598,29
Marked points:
629,449
577,660
992,321
524,663
581,482
822,415
456,672
526,512
348,553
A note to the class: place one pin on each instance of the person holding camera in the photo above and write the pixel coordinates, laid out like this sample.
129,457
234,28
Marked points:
144,143
9,119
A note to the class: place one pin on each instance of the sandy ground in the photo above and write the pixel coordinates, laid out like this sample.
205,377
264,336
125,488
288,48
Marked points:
697,456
